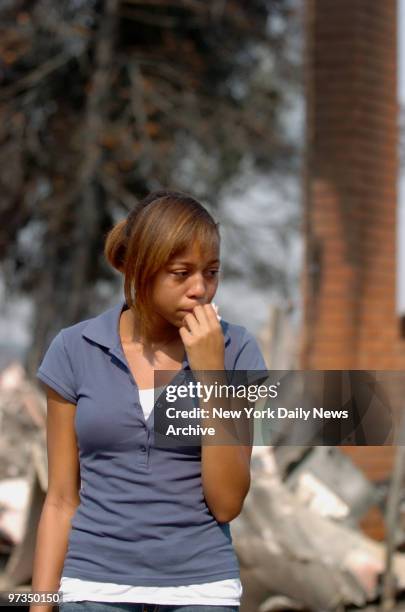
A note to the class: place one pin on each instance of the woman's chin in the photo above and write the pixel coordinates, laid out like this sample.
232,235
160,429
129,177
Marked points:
178,319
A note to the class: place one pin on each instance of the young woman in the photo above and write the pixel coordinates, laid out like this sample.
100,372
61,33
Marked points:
128,524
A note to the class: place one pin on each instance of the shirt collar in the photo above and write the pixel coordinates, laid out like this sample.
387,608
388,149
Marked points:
103,329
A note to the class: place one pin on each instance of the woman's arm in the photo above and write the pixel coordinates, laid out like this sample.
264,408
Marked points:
225,479
225,457
62,496
225,467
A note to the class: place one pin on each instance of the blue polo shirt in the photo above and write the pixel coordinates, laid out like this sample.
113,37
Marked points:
142,518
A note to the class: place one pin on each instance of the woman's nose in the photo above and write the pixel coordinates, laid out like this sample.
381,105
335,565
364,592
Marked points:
197,287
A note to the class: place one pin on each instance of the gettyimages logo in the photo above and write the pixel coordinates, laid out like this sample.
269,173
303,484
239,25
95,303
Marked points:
278,407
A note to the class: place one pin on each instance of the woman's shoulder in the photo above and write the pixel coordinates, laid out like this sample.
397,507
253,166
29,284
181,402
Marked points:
73,332
242,349
72,337
101,324
235,333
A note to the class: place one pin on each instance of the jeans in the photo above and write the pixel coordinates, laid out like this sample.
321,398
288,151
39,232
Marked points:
98,606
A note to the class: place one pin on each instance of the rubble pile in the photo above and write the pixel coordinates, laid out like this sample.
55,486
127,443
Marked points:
22,421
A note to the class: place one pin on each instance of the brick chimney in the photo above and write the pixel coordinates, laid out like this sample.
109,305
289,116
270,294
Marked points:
348,283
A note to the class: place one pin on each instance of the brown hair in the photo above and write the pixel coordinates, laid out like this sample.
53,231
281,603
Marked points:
162,225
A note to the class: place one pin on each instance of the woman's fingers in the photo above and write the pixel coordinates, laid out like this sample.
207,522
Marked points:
203,318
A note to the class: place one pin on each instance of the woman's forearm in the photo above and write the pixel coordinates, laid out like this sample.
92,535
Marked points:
225,479
225,457
50,549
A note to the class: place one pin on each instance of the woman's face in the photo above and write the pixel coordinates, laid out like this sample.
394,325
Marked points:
189,279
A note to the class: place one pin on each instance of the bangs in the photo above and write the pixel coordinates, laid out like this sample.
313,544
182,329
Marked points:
204,235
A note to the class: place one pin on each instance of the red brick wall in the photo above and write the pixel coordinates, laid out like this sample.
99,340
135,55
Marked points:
350,182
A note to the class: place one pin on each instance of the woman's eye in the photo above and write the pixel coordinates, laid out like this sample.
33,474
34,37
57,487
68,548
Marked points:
184,272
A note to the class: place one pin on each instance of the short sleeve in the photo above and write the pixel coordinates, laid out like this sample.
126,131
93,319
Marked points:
250,358
56,370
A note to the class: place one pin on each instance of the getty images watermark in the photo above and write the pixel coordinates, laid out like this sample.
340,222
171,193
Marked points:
277,407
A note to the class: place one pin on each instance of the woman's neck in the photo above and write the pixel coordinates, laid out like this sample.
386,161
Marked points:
129,333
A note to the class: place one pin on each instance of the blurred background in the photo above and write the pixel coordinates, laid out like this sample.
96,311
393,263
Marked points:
102,104
284,117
